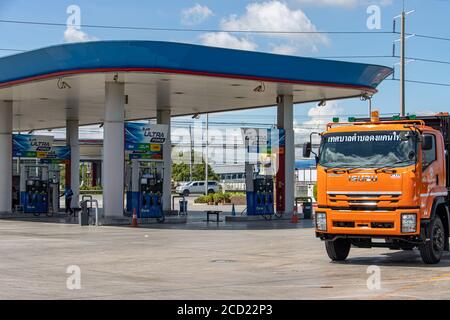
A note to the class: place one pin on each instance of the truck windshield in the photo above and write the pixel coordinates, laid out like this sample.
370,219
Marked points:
372,149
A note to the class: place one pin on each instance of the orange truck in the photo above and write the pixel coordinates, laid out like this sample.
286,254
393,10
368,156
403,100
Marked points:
384,183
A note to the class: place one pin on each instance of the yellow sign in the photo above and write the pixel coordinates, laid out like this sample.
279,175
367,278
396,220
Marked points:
155,147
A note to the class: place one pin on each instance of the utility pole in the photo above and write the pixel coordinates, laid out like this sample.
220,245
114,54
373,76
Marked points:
191,153
206,156
402,64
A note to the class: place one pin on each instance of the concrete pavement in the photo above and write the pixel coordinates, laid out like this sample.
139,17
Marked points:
256,260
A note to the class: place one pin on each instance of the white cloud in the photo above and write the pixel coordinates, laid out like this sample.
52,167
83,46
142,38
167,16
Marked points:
319,118
323,115
226,40
73,34
424,112
195,15
345,3
283,49
275,15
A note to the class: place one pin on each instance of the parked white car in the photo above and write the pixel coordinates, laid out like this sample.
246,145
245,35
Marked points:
197,187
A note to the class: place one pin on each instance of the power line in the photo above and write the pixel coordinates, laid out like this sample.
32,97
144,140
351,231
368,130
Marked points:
354,57
429,60
424,82
135,28
320,57
428,37
13,50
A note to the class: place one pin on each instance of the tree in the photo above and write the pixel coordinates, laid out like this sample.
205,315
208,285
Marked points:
198,173
181,172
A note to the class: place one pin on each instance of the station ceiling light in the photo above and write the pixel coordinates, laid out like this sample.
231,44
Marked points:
322,103
261,88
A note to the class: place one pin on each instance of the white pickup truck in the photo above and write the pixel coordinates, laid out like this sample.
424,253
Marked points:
197,187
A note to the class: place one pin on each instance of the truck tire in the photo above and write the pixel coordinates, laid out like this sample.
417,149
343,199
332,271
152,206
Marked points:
186,193
431,251
338,249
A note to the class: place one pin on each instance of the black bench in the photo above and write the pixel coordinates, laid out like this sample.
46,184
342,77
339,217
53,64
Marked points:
217,213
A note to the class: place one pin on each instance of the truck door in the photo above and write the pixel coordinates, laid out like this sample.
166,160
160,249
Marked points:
433,179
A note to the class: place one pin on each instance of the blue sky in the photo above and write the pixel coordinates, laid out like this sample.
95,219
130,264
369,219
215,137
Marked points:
430,17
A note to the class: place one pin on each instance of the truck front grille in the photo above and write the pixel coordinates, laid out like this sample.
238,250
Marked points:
363,199
343,224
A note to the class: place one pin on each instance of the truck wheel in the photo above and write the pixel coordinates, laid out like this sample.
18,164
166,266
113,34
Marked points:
186,193
338,249
431,251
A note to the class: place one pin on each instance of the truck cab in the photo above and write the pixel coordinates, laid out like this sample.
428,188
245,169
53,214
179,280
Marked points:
384,183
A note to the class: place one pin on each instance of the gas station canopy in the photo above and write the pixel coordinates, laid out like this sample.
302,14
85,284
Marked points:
51,85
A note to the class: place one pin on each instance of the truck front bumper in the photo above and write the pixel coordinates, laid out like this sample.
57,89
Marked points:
367,223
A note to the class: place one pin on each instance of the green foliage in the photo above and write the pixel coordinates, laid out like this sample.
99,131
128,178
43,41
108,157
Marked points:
90,188
218,197
204,199
181,172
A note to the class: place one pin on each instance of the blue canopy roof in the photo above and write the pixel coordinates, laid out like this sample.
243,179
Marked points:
173,57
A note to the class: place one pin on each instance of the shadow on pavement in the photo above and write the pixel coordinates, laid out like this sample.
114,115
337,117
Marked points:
397,259
194,222
247,225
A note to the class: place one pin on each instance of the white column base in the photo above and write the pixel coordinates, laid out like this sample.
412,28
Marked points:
72,139
286,121
113,151
163,117
6,156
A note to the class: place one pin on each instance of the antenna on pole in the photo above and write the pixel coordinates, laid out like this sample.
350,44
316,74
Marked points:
402,63
402,40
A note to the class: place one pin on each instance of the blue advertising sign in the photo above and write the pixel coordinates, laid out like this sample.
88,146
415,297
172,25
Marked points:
144,133
144,141
31,146
58,154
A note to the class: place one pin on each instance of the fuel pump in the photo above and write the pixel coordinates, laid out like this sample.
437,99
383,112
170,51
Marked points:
54,184
259,186
34,188
145,188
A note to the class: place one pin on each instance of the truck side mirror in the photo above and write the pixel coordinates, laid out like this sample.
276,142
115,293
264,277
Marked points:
427,142
405,135
307,148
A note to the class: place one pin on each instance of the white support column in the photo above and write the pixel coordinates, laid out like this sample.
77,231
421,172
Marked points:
73,142
163,117
6,121
113,150
285,120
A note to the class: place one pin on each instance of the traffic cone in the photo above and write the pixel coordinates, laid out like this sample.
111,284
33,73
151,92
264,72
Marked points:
233,210
294,218
134,221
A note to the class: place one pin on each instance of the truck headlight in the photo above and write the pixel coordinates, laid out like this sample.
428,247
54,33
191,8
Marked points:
409,222
321,221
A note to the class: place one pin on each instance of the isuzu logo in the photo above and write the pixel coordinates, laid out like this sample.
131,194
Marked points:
363,178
